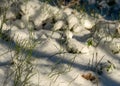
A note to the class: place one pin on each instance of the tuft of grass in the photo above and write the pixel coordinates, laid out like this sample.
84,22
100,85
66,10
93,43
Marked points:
94,63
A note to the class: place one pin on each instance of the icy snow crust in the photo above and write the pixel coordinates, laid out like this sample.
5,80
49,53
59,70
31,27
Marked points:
67,38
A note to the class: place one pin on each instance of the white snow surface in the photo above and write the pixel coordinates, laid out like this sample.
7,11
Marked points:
64,53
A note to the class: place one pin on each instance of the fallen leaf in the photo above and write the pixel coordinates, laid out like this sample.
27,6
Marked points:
89,76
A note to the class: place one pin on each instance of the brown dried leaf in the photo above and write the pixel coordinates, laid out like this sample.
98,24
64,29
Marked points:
89,76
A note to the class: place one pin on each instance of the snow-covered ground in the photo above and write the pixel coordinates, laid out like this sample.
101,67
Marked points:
73,48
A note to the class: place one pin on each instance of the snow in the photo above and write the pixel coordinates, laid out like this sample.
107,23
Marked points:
72,20
58,25
63,53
